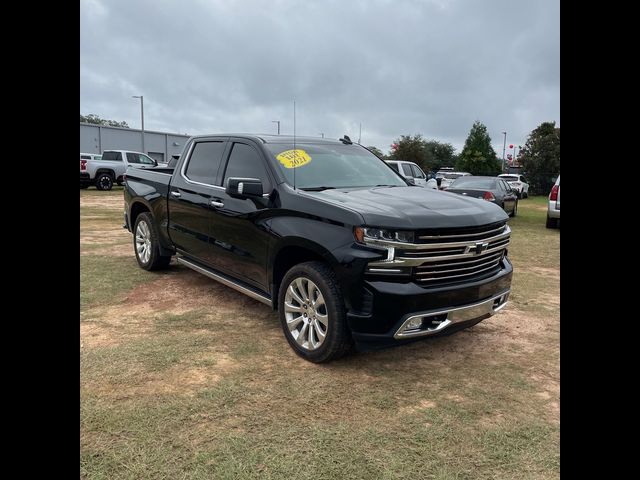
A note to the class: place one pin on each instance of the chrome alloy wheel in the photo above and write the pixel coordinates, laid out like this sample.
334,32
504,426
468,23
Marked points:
306,313
143,241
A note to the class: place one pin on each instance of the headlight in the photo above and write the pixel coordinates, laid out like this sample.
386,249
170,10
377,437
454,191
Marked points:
363,234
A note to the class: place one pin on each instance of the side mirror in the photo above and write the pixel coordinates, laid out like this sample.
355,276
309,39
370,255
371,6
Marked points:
244,187
410,180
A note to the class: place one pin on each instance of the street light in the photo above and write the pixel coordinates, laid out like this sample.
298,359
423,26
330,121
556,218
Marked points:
141,115
504,144
322,134
278,122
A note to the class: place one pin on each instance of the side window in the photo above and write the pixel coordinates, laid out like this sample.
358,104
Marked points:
394,166
524,180
143,159
204,162
417,172
406,168
245,162
85,157
133,157
112,156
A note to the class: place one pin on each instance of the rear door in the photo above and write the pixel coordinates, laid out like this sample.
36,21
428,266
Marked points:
238,226
193,186
418,174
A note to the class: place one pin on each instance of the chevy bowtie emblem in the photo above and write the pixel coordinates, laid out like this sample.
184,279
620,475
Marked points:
481,247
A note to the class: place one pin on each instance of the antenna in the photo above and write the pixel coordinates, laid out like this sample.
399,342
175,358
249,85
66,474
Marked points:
294,144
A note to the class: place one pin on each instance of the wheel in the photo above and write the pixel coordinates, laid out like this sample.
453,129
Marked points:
104,182
312,313
515,209
526,194
146,245
551,222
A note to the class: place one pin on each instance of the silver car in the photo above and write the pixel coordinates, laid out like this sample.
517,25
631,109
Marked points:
553,209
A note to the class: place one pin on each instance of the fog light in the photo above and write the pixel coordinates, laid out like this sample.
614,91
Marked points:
414,324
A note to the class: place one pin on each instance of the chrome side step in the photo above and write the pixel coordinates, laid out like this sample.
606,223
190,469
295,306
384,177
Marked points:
224,280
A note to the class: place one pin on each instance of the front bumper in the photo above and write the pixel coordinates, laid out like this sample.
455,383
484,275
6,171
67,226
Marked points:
443,309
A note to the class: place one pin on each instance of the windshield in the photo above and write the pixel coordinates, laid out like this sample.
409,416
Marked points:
510,178
451,176
474,182
319,166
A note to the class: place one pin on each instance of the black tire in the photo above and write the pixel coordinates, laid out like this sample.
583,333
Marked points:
155,261
526,194
515,210
104,181
552,222
338,339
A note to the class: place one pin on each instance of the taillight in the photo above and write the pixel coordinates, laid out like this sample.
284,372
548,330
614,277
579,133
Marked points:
554,193
488,196
83,164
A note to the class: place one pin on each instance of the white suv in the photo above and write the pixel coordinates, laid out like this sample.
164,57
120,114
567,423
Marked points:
518,183
448,177
553,209
414,172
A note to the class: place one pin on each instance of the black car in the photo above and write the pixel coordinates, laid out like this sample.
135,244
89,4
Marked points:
492,189
327,234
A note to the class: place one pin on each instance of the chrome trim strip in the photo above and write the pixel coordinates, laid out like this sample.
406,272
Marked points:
433,246
447,277
417,261
496,255
224,281
454,315
384,270
494,261
428,237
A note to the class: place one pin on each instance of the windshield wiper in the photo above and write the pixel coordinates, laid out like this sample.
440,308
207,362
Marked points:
316,189
383,185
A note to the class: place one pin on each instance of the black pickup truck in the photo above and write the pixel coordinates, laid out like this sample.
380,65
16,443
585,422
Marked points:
344,248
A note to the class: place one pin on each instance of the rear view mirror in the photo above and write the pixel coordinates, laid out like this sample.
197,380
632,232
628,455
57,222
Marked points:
244,187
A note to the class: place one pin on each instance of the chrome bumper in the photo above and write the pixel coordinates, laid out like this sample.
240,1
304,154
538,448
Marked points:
436,321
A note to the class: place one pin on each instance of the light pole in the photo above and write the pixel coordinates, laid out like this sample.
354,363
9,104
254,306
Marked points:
514,154
504,144
322,134
278,122
141,115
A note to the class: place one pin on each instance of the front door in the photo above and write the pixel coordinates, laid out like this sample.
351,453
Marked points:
238,226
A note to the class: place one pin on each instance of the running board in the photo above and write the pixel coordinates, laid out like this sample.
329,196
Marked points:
224,280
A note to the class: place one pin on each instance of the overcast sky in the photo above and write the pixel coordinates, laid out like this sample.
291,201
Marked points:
398,67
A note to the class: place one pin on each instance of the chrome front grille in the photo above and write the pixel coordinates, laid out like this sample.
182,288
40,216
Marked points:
445,257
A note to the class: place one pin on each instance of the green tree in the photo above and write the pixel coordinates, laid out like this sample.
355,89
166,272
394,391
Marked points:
540,157
410,149
439,154
96,120
378,153
478,156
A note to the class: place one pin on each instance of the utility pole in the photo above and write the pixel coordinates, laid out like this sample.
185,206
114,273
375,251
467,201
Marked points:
142,116
504,145
360,134
278,122
322,134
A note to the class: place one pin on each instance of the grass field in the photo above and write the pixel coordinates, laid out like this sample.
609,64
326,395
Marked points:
181,377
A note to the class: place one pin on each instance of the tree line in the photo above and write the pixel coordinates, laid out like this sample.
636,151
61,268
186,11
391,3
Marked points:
540,157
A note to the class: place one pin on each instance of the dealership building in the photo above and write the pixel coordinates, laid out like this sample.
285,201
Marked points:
158,145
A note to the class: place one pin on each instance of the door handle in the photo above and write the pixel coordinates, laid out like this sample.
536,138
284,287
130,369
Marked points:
175,194
216,203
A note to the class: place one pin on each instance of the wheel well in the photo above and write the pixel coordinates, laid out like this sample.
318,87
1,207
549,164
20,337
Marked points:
287,258
136,209
106,170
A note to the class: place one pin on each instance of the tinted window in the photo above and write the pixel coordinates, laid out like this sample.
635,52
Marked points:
245,162
205,161
523,180
510,178
133,157
475,182
394,166
85,157
417,172
146,160
112,156
406,168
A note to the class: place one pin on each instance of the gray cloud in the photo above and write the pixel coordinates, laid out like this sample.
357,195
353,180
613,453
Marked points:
399,67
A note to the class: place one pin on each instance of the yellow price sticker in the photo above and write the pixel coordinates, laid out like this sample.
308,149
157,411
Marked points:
293,158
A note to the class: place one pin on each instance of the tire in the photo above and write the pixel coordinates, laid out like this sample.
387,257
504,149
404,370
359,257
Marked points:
552,222
515,210
296,319
146,245
526,194
104,181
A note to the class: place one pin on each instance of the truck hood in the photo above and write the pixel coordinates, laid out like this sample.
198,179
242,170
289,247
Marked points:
413,207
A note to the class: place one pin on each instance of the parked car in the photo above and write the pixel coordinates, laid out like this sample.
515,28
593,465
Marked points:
492,189
448,177
410,170
111,168
553,208
343,247
518,183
